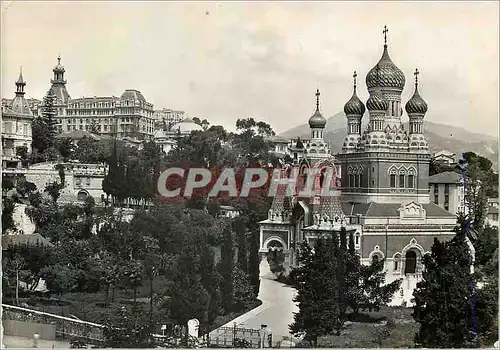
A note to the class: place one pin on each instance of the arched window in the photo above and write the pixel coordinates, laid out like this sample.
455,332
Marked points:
411,178
397,259
392,177
322,177
401,178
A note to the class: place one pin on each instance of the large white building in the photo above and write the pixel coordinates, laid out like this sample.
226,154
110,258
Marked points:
16,126
165,118
129,115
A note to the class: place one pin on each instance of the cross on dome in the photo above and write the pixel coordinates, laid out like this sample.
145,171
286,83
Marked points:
385,35
355,75
416,76
317,99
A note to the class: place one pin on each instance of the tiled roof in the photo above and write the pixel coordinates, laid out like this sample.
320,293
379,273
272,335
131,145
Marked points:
131,94
391,210
33,239
447,177
353,209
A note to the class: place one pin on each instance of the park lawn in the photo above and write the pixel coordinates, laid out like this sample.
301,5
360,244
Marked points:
366,332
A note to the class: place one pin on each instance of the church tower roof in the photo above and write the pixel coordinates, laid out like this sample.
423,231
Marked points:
416,104
58,87
390,75
317,120
377,101
19,104
354,106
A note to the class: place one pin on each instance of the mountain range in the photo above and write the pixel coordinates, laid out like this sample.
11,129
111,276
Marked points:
440,137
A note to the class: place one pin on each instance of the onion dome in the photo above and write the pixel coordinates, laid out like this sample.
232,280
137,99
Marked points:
317,120
377,101
416,104
58,67
390,75
354,106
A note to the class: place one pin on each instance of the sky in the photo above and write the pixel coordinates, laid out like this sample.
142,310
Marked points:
228,60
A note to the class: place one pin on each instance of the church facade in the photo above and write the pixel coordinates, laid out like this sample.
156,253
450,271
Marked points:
381,179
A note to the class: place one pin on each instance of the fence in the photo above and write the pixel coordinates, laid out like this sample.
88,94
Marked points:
64,327
233,337
27,329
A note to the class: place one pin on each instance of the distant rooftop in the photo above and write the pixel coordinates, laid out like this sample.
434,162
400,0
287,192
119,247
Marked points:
131,94
447,177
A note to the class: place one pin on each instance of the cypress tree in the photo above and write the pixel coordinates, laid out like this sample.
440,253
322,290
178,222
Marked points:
254,261
239,229
49,113
210,280
226,268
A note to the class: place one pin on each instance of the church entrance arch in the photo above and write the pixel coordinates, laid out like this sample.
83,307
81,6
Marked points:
410,262
82,195
275,256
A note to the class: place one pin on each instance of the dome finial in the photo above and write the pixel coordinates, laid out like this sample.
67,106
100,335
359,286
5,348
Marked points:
355,75
416,77
385,35
59,58
317,99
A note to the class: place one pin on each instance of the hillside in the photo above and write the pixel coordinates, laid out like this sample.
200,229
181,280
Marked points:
439,136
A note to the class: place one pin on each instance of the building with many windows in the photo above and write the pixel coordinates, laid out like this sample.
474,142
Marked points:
16,126
129,115
165,118
446,190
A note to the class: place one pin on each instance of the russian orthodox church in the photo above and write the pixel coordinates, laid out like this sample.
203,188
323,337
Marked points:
381,179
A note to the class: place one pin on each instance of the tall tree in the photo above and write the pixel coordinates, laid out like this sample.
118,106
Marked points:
443,298
317,296
226,269
49,113
188,297
254,261
239,229
480,182
210,279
